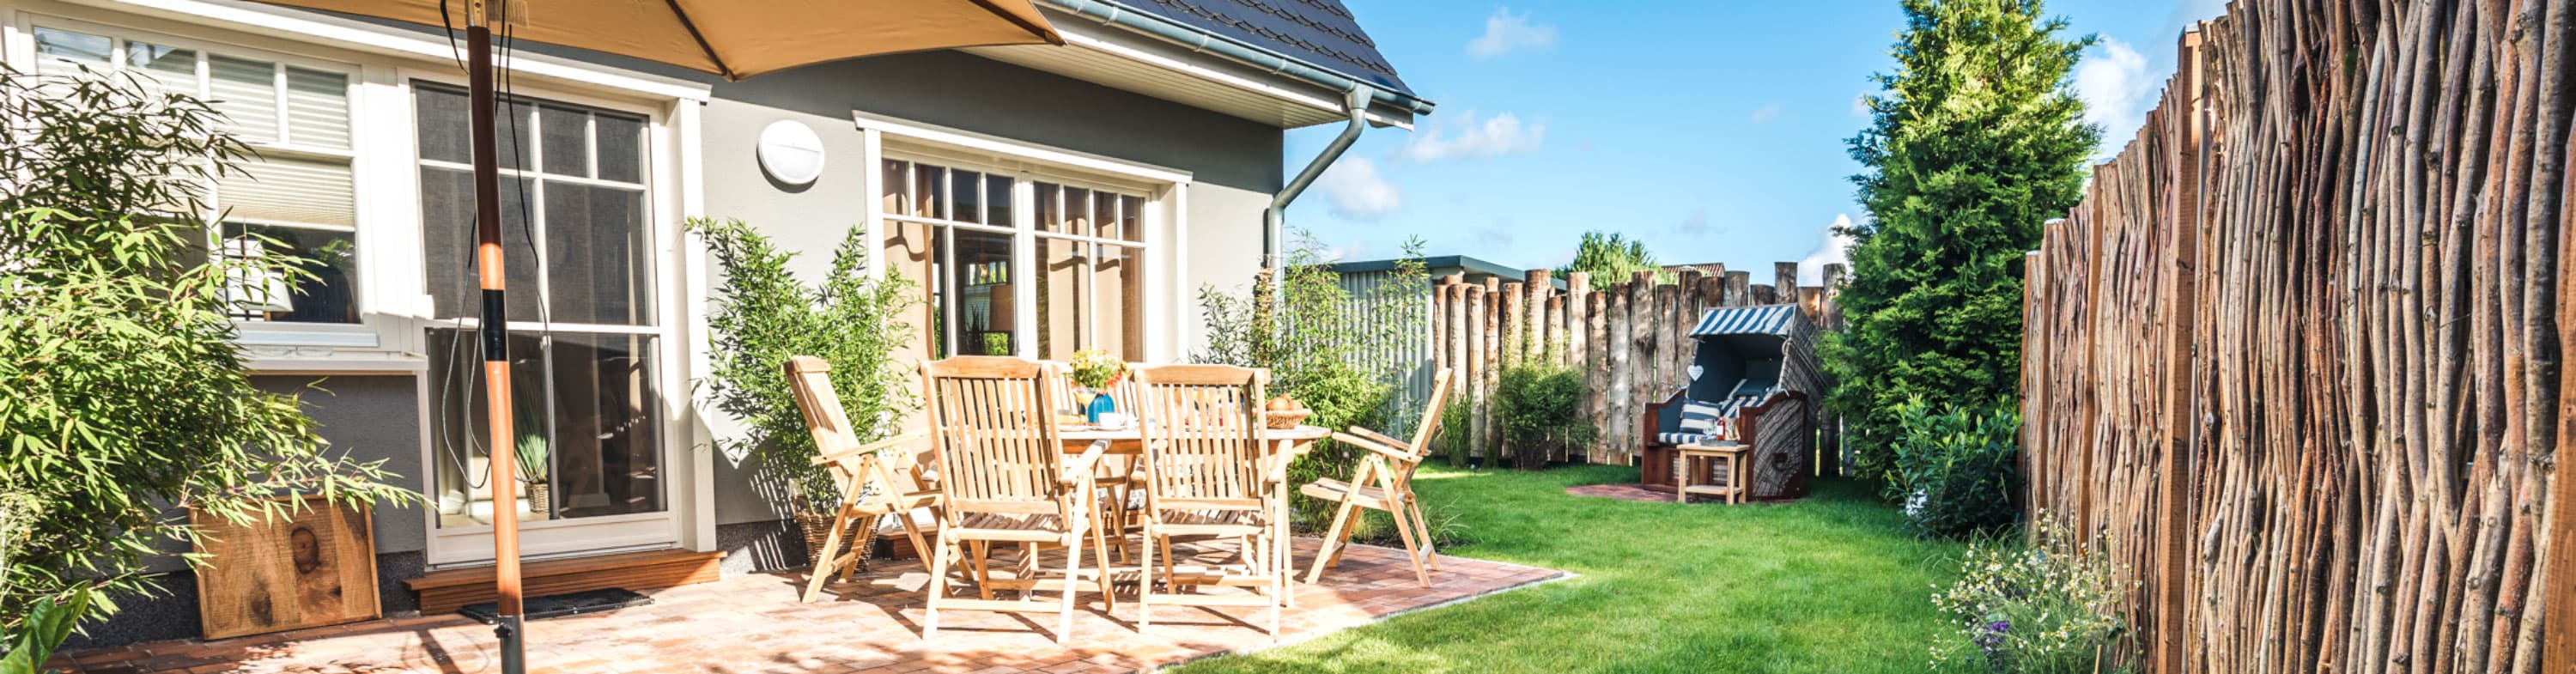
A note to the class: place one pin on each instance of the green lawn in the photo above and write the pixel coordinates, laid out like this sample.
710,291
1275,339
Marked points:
1829,584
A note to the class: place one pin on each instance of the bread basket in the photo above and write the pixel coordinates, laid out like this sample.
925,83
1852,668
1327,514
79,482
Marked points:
1286,419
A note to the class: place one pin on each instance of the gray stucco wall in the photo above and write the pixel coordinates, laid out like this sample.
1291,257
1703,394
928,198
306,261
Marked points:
973,93
1234,164
372,418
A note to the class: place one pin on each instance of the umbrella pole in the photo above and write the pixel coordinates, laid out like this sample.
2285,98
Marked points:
495,332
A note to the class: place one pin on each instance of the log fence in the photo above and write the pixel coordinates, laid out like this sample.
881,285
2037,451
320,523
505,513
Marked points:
1628,338
2293,362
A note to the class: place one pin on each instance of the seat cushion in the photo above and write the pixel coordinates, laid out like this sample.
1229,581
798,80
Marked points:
1685,438
1699,417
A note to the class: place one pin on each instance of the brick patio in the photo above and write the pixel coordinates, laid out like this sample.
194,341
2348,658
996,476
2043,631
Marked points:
753,624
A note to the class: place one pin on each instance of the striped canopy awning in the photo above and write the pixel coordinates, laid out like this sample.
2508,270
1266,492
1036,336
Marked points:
1768,319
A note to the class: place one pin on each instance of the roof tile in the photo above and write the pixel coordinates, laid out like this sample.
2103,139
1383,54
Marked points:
1320,32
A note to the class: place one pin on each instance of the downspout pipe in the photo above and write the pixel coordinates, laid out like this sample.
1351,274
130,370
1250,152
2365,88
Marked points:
1273,221
1110,13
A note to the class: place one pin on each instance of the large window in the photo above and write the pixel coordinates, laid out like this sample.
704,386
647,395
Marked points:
1090,293
295,198
959,230
583,331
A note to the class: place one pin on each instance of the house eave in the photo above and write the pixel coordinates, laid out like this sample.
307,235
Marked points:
1117,48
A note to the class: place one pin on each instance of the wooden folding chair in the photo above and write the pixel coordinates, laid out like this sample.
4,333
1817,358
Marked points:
1208,473
870,487
1005,479
1385,483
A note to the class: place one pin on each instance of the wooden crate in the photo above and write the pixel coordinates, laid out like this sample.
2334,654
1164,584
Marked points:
315,567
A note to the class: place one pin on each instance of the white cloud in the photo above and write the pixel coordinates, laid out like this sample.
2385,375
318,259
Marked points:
1496,136
1356,250
1768,113
2116,89
1355,191
1835,249
1496,236
1696,224
1860,105
1506,33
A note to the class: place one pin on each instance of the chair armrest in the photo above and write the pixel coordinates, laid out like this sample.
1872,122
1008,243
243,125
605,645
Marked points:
1079,468
1381,438
869,448
1373,446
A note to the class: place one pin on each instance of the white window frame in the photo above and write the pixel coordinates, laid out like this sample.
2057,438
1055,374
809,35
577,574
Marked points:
381,62
369,331
667,184
1162,219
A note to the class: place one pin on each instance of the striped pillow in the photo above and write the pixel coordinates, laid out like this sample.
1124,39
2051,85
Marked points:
1702,418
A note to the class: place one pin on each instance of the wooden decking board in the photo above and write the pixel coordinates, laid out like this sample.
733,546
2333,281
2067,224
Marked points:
444,591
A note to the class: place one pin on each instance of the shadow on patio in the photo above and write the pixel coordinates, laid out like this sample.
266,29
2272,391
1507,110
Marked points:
753,624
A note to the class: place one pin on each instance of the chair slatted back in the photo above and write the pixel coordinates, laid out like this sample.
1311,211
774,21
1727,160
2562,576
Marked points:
1203,432
993,421
1427,430
810,379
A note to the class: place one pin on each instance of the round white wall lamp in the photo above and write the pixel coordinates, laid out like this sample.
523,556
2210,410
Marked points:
791,153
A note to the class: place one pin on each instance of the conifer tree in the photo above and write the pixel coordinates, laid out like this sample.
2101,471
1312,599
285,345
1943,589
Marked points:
1976,140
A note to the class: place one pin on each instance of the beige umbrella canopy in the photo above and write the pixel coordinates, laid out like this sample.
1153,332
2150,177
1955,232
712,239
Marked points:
738,38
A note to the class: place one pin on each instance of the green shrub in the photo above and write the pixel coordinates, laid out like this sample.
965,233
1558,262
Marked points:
1611,257
1537,406
763,315
1314,336
2044,609
124,399
1957,468
1456,422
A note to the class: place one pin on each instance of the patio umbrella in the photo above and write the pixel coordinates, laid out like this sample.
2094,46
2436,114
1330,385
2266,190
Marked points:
732,38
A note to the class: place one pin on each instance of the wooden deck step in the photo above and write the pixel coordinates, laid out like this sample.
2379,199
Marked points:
446,591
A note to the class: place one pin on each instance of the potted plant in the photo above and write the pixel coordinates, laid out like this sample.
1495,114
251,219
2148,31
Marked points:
533,455
764,315
1096,371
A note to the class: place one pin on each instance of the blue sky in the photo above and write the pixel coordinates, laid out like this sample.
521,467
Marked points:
1713,130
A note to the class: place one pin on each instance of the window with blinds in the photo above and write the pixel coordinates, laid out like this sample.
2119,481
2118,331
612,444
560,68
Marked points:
295,198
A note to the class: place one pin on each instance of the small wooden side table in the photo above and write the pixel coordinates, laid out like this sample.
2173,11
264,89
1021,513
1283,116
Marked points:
1730,454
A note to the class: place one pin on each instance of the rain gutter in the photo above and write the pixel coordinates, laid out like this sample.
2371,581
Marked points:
1273,220
1200,40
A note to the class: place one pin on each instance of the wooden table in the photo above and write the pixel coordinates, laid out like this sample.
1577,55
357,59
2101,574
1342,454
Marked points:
1131,440
1730,453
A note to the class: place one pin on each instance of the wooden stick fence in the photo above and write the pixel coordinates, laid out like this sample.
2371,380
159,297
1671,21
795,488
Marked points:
2295,358
1630,339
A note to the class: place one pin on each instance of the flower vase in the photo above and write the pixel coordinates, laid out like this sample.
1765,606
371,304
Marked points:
1101,404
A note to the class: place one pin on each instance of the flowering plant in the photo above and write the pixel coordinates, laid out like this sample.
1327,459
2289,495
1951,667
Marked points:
1096,369
2031,609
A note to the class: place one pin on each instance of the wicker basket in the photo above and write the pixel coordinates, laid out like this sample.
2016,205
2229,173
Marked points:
1286,419
817,526
541,500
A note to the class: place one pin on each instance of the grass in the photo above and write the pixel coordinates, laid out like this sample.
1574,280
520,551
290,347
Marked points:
1833,583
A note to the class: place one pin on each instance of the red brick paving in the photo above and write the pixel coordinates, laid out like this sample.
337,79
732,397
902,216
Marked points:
753,624
1638,492
1624,492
